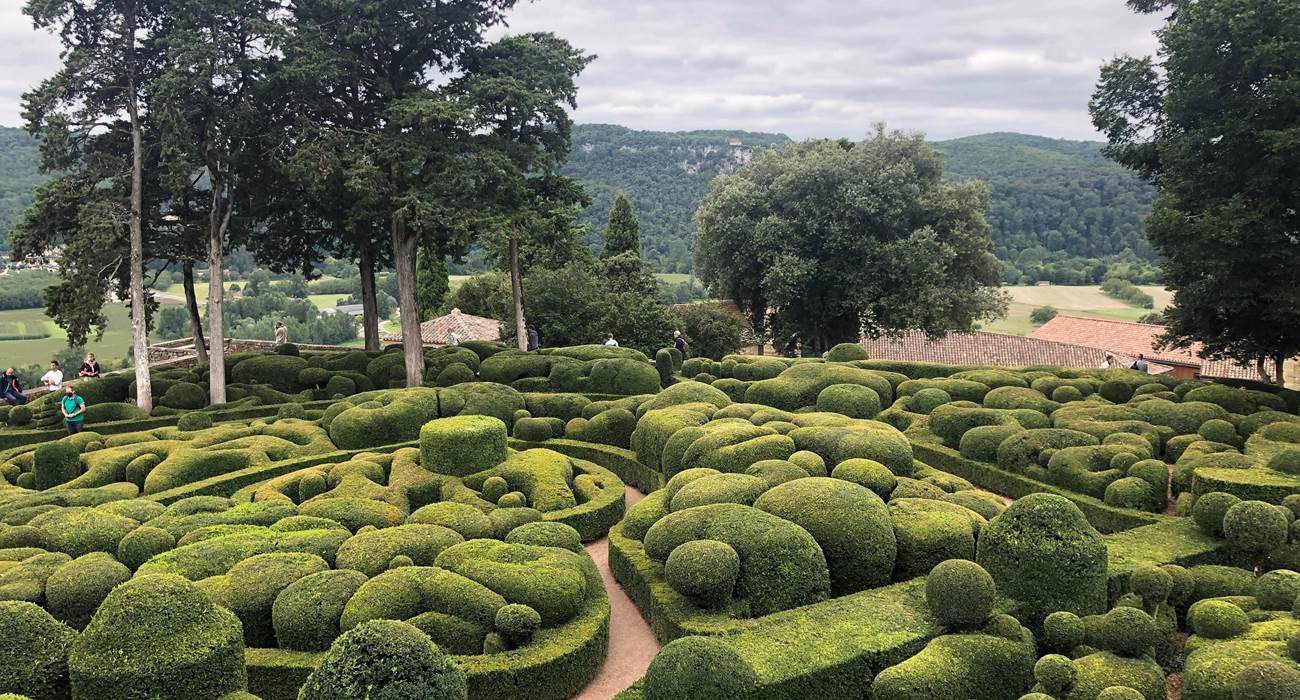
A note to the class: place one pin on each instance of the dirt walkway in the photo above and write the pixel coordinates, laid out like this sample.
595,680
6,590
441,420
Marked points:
631,643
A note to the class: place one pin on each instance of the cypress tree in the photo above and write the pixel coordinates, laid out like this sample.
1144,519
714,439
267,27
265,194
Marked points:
622,231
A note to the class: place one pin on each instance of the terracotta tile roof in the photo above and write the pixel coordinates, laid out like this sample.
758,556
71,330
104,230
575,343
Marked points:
995,349
465,326
1126,337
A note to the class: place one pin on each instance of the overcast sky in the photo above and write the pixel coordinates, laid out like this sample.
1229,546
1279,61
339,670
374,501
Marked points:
806,68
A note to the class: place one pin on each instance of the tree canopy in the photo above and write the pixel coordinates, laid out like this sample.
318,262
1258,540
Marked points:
836,239
1212,122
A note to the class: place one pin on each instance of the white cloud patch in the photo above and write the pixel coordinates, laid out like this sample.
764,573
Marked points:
809,68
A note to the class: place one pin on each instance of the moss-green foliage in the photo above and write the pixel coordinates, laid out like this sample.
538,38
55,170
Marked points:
852,400
158,637
409,591
704,571
1096,672
1217,619
462,445
1277,590
1090,469
868,473
223,547
369,552
549,580
782,566
1066,394
799,385
385,660
1209,510
951,421
1045,557
465,519
74,590
279,371
699,667
546,534
864,440
981,443
1183,418
958,389
961,666
1024,449
1062,632
1221,431
929,532
56,463
992,378
1255,528
191,422
960,593
624,377
1019,397
1267,680
718,488
1236,400
655,428
20,416
1210,673
1132,492
538,429
184,396
1126,631
305,615
250,589
383,418
927,400
142,543
664,366
777,471
849,521
1054,673
518,623
1213,581
33,651
612,427
847,352
81,530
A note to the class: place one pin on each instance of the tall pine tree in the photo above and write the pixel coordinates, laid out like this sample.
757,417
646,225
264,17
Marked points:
622,230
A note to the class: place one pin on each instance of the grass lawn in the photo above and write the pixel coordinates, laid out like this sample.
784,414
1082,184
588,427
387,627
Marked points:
673,277
17,353
1077,301
326,301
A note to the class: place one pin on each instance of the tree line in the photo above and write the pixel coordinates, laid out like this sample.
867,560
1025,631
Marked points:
366,131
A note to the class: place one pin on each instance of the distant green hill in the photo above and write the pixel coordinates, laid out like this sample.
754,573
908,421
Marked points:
19,158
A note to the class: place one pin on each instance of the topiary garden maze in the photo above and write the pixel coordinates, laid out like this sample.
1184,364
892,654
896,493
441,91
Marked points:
848,528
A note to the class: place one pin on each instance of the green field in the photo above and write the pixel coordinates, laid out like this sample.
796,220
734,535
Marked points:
673,277
18,353
1077,301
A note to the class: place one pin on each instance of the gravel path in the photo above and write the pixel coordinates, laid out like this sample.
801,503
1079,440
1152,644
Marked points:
631,643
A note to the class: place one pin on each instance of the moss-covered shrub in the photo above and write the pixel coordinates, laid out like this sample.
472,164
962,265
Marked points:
546,534
518,623
1054,673
1277,590
158,636
776,471
1286,461
142,544
624,377
191,422
960,666
1267,680
704,571
1012,397
868,473
930,531
1023,449
56,463
699,667
927,400
385,660
1125,631
1255,528
305,615
798,386
34,651
852,400
1096,672
462,445
1066,394
1062,632
369,552
1132,492
1045,556
1217,619
75,590
184,396
1209,510
960,593
20,416
847,352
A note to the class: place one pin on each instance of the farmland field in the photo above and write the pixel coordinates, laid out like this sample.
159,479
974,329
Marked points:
1078,301
18,353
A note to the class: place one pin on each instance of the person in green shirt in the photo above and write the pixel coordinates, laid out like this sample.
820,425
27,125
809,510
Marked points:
74,409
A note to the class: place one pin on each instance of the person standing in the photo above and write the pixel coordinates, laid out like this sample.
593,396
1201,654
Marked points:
74,409
281,333
89,367
53,379
1109,362
453,340
609,341
679,342
11,390
1139,364
534,339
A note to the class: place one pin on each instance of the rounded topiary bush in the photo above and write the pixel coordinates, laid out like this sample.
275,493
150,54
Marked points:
158,636
546,534
868,473
1287,461
142,544
1209,509
306,614
1130,492
1217,619
1126,631
1045,556
462,445
1066,394
1152,583
699,667
20,416
455,373
75,590
339,385
517,623
927,400
1054,673
191,422
514,499
291,410
184,396
1120,692
847,352
385,660
55,463
1062,631
1277,590
1219,430
1267,680
704,571
852,400
960,593
34,649
1255,527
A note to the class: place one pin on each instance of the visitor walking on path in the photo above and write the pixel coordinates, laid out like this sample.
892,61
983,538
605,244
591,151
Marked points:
680,343
11,390
609,341
53,378
74,409
1139,364
89,367
281,333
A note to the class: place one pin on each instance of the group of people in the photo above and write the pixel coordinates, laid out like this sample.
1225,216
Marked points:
72,405
679,341
1140,364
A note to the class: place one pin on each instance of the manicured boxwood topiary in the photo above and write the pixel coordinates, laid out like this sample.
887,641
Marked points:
385,660
279,371
20,416
776,471
1277,590
75,590
158,636
462,445
699,667
1120,692
704,571
1287,461
517,623
847,352
852,400
927,400
1255,528
1054,674
142,544
960,666
191,422
56,463
33,651
1209,510
1267,680
1062,631
1125,631
960,593
1217,619
1045,556
546,534
868,473
305,615
1132,492
1066,394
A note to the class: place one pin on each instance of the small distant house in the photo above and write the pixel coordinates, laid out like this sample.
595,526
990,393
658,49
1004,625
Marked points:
349,309
465,326
733,141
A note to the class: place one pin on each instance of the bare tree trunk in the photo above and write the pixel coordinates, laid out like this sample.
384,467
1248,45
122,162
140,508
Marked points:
1262,370
404,246
139,329
1280,359
517,291
192,306
369,304
218,221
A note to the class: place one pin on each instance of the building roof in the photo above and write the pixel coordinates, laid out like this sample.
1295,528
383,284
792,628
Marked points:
465,326
1129,338
350,309
980,348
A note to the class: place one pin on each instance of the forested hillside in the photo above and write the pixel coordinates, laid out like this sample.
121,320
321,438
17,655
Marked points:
1059,210
18,178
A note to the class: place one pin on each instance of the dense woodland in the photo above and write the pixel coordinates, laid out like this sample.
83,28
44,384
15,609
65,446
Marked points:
1062,201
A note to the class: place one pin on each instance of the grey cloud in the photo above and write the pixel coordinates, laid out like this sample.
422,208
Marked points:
808,68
